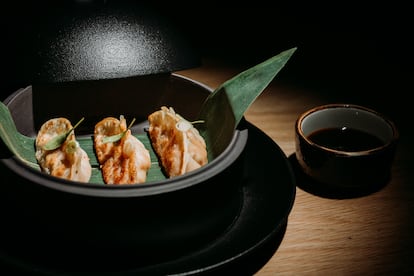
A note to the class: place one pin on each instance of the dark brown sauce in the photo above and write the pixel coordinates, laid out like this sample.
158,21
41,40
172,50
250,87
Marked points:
345,139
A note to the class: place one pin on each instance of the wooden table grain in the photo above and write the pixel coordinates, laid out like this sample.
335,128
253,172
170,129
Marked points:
365,235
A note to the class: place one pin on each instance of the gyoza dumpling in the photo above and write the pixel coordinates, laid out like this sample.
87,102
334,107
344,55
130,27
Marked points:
67,161
125,161
177,143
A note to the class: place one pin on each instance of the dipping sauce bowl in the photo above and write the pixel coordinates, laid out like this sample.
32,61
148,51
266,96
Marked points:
345,146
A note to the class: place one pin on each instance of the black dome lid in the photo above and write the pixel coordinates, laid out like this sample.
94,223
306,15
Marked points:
93,40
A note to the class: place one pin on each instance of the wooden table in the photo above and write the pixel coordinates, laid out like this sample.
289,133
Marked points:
365,235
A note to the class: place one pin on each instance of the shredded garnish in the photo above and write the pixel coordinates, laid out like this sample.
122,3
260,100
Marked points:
71,147
184,125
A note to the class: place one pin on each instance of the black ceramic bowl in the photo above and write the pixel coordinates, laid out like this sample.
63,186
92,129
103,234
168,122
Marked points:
97,59
107,226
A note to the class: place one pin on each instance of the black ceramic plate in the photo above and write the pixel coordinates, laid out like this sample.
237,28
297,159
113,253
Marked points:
269,191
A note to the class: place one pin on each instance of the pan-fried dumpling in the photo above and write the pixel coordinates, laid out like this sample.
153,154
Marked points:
125,161
179,146
67,161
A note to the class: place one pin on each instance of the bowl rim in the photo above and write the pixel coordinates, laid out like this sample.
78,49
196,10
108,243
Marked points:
213,168
300,134
200,175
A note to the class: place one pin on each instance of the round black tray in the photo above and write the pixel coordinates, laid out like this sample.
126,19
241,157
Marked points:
269,190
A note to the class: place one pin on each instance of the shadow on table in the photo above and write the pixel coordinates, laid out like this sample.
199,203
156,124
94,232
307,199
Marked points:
322,190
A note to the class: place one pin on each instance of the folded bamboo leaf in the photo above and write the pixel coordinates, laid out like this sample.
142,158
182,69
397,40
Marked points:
225,107
20,145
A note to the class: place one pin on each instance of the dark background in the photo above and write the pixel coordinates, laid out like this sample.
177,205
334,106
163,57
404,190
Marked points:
348,52
359,52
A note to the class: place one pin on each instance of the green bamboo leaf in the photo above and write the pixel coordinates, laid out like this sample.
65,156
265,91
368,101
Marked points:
20,145
225,107
58,140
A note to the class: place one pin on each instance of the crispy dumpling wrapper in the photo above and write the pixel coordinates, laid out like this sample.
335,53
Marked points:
69,160
179,146
125,161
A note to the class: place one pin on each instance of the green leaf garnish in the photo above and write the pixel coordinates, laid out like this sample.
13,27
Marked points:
117,137
58,140
224,108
